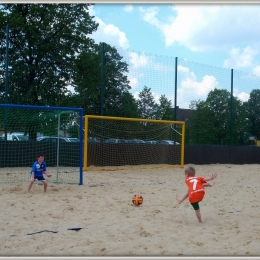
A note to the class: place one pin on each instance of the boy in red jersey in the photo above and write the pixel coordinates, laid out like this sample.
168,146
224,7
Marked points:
195,189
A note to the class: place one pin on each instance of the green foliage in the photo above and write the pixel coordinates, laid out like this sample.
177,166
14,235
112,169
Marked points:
200,124
117,99
164,109
53,62
212,120
253,112
149,109
33,121
146,104
45,40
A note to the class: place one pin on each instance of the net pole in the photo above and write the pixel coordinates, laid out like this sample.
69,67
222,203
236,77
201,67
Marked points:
6,80
58,149
81,147
58,145
86,144
6,64
183,143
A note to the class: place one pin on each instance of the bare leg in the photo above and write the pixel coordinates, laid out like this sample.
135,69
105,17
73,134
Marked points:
45,185
198,215
30,185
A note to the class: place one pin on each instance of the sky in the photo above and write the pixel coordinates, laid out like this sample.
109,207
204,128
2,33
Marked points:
209,40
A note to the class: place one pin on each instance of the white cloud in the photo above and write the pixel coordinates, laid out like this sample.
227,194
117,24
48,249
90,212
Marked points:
240,58
199,89
143,60
108,33
142,67
149,15
128,8
207,27
112,31
256,71
136,95
192,89
178,29
91,10
156,97
138,60
241,95
133,82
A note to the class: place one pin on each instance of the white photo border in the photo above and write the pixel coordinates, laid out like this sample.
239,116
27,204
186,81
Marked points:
159,2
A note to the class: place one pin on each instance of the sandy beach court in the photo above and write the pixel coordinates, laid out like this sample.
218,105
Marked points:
42,224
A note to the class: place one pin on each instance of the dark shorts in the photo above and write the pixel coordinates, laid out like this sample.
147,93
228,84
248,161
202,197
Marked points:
39,178
195,205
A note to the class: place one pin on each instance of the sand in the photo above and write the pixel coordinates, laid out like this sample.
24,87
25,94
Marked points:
112,226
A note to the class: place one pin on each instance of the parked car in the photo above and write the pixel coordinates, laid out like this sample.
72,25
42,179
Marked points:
9,137
53,139
169,142
20,137
93,140
115,141
151,142
136,141
73,139
40,138
252,140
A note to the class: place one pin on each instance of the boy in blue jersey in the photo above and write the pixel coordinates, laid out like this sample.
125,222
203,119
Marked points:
38,169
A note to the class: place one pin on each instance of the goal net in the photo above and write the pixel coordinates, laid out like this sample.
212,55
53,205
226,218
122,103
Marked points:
112,143
56,132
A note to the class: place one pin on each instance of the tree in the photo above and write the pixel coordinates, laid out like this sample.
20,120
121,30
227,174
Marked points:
45,40
146,104
201,124
253,112
117,100
164,109
212,121
218,101
149,109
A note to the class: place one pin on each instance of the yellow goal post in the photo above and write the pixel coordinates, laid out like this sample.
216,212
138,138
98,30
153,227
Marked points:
114,143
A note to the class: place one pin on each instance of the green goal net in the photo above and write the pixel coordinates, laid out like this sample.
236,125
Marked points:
26,131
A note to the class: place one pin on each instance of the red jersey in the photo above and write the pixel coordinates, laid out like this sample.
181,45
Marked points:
196,188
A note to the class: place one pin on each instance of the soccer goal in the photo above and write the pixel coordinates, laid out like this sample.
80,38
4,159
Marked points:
57,132
112,143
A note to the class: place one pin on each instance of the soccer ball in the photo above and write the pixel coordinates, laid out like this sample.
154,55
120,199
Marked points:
137,199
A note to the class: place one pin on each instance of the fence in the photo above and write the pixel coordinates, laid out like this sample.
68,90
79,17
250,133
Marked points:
217,104
188,85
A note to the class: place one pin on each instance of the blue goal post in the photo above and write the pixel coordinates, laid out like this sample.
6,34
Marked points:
57,132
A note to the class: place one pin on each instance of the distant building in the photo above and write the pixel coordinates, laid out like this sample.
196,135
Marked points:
183,114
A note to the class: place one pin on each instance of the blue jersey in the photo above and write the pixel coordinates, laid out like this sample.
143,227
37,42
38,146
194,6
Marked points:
38,169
